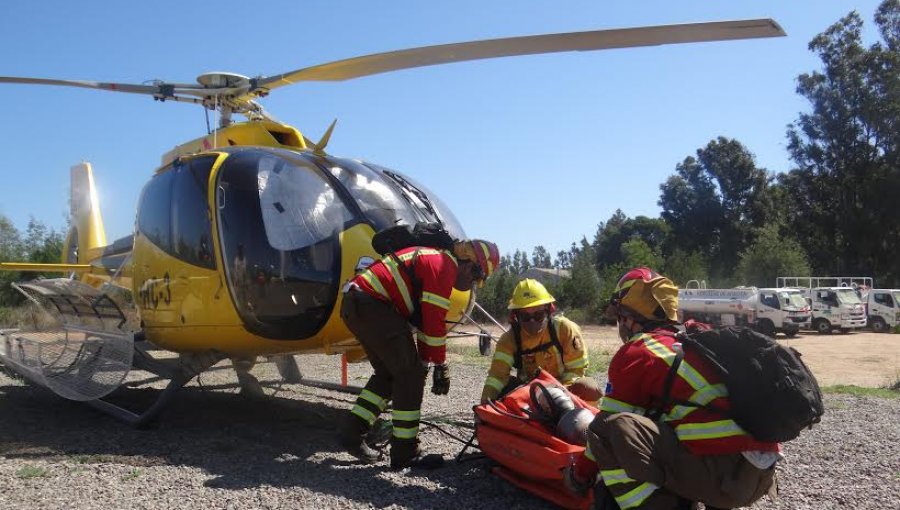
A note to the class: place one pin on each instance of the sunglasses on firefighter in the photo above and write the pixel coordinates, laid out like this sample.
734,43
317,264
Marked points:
533,316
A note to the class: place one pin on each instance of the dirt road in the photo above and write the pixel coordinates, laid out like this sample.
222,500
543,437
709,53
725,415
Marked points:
859,358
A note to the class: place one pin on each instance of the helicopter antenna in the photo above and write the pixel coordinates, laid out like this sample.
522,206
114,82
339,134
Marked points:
319,148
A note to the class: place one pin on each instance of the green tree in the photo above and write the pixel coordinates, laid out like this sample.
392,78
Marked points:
770,256
619,229
494,296
540,257
11,250
518,263
843,192
40,244
715,201
681,267
636,252
582,289
563,260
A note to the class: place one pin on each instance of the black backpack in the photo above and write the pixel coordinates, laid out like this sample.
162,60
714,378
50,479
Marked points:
772,394
397,237
431,235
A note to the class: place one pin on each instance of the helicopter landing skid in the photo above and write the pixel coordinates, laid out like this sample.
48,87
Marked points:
179,371
290,373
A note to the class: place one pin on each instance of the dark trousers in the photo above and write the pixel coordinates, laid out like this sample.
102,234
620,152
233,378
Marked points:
643,464
386,337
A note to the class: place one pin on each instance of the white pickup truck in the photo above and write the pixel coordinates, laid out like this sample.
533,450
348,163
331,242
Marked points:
834,300
769,311
882,308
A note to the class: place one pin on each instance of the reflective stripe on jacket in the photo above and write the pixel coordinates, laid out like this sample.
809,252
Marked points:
637,376
565,367
436,273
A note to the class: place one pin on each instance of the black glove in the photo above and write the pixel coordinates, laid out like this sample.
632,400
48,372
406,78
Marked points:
440,381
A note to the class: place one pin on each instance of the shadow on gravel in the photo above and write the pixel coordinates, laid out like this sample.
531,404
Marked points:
241,442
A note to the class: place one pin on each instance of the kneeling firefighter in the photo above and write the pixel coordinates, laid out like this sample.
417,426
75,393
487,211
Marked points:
663,438
539,339
411,286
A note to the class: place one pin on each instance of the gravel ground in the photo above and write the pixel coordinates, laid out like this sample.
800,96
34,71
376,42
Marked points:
217,449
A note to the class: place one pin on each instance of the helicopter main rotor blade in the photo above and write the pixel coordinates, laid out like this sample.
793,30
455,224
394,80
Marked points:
527,45
161,90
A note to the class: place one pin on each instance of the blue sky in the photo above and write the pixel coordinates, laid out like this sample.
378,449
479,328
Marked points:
525,150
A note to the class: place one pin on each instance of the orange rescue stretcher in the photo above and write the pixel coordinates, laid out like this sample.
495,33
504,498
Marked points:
528,453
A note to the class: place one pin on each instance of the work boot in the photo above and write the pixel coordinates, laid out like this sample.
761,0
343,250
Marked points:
352,436
406,453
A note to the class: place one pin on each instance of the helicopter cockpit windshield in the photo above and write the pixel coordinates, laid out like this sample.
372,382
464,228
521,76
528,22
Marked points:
280,213
279,217
387,198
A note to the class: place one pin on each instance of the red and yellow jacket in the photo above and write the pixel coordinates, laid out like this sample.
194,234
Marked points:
435,271
637,374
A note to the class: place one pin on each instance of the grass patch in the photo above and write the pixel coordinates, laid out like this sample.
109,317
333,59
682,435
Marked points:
470,354
598,361
894,386
32,472
131,475
859,391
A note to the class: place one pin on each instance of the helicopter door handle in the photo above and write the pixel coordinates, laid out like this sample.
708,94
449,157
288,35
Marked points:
220,197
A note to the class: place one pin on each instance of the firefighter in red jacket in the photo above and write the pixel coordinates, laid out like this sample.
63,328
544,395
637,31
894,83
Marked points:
409,287
652,452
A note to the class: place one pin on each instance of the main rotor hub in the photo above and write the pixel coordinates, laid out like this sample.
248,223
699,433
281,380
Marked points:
216,80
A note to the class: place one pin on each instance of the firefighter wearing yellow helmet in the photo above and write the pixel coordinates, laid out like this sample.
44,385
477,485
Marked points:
539,339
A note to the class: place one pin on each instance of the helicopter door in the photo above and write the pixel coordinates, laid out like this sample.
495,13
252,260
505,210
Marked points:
193,288
279,222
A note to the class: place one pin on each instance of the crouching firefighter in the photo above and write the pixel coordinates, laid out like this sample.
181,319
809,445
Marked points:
652,449
411,286
539,339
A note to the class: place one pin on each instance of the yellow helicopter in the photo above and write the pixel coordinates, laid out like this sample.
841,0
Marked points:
243,237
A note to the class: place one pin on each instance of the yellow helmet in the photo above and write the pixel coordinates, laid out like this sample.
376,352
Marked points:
529,293
644,293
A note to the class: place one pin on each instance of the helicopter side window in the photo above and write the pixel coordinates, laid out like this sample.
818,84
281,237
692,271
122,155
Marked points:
191,226
380,202
426,203
154,218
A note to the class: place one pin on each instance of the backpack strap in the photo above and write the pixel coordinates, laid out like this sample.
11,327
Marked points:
517,336
416,313
658,411
520,353
682,336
